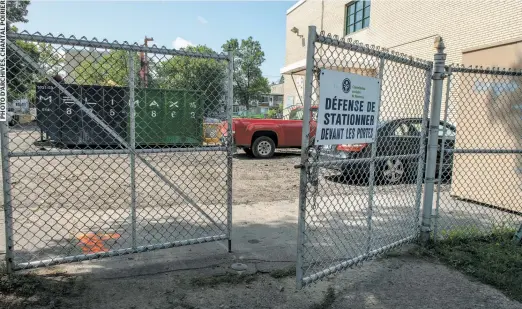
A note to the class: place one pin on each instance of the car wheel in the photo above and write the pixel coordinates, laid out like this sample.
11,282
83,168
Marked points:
263,147
392,172
248,152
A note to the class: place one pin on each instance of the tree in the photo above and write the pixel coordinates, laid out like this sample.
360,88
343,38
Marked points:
16,12
248,80
21,75
276,112
106,69
206,76
282,79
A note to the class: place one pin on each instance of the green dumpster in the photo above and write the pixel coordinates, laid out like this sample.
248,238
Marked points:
168,117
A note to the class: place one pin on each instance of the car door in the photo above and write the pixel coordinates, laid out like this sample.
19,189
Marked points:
293,128
402,139
447,133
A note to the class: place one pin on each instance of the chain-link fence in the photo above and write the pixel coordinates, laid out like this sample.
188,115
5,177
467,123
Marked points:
359,200
122,148
479,188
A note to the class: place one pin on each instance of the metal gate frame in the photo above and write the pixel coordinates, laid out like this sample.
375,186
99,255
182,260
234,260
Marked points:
129,148
309,165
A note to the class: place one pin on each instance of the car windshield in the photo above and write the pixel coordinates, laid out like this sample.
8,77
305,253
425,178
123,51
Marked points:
296,114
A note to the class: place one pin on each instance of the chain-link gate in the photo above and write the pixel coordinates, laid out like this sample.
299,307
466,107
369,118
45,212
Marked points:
479,187
359,200
128,149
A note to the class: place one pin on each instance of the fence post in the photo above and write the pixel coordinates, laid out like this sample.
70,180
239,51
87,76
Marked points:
442,153
431,160
371,180
230,142
132,140
8,210
310,52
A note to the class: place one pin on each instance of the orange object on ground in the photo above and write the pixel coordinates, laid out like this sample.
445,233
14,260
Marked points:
94,243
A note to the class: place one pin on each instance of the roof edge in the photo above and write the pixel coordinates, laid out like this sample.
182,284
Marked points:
295,6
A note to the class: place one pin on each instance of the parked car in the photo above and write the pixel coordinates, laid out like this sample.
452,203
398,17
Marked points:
261,137
397,138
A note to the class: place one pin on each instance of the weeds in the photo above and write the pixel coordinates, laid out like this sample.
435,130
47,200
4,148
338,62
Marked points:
492,258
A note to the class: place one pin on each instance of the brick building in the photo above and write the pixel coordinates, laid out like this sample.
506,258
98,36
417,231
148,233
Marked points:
403,26
482,33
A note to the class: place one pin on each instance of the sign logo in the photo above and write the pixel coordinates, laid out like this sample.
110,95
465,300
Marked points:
347,85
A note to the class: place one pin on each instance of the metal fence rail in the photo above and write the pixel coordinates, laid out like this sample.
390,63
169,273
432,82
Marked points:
357,205
123,153
478,192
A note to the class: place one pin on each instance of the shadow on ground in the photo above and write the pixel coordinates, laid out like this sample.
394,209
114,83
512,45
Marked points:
200,276
278,155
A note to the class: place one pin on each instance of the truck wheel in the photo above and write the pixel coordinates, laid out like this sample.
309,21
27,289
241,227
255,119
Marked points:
248,152
263,147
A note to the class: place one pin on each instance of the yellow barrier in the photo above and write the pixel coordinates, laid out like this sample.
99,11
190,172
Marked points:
212,133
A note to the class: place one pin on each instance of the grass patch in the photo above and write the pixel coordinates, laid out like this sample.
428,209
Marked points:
493,259
225,278
327,301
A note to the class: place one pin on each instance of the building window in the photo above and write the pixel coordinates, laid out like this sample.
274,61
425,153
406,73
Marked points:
357,16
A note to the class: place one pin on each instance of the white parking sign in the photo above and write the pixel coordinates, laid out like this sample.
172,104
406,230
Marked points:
348,108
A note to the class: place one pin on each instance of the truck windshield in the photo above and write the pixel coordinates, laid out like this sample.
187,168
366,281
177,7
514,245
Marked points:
297,114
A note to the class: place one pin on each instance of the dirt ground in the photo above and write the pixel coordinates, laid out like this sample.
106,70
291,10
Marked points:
265,194
399,281
270,180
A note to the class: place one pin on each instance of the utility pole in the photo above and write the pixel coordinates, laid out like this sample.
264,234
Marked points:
144,64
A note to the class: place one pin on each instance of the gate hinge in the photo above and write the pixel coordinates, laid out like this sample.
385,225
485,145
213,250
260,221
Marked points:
439,76
299,166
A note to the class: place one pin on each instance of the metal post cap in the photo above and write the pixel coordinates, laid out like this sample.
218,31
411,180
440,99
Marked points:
439,43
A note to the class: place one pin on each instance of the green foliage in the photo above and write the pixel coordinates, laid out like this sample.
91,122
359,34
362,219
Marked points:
16,12
491,258
248,79
207,76
21,75
272,113
109,69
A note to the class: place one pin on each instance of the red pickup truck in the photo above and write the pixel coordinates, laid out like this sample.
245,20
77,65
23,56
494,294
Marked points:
260,137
